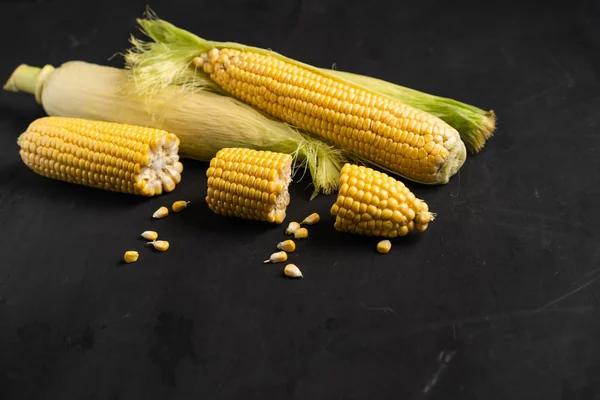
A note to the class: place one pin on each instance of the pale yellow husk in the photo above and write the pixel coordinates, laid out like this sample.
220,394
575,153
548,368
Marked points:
204,121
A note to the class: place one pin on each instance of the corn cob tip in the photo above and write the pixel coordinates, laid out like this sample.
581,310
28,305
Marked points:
374,204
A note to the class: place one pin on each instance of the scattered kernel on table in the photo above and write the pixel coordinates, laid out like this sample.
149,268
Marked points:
287,245
179,205
161,212
160,245
278,257
292,271
384,246
301,233
292,228
312,219
150,235
131,256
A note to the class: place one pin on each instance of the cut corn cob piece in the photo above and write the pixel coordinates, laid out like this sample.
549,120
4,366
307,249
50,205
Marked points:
249,184
374,204
109,156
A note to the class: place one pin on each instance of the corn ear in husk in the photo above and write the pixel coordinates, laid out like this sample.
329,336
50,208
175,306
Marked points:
204,121
176,47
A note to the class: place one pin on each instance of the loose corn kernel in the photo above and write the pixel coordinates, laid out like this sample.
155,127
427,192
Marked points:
249,184
101,155
278,257
384,246
292,271
292,228
287,245
131,256
160,245
375,127
301,233
179,205
150,235
312,219
387,208
161,212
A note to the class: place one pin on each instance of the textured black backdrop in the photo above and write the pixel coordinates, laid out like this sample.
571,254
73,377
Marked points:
497,300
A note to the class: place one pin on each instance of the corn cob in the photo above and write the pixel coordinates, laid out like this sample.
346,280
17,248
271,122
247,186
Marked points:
372,203
394,136
249,184
110,156
204,121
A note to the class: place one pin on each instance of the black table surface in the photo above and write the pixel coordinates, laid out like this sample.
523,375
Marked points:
498,299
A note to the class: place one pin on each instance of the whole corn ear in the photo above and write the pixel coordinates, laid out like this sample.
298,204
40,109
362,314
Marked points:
377,128
204,121
110,156
249,184
372,203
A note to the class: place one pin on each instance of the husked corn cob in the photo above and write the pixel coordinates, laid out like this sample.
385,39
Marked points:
249,184
392,135
110,156
374,204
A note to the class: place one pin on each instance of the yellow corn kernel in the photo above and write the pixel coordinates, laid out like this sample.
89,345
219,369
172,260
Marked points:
384,246
179,205
103,155
292,228
301,233
312,219
249,184
150,235
131,256
387,208
292,271
287,245
367,123
278,257
160,245
162,212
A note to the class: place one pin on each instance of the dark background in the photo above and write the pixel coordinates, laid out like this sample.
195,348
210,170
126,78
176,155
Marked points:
498,299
